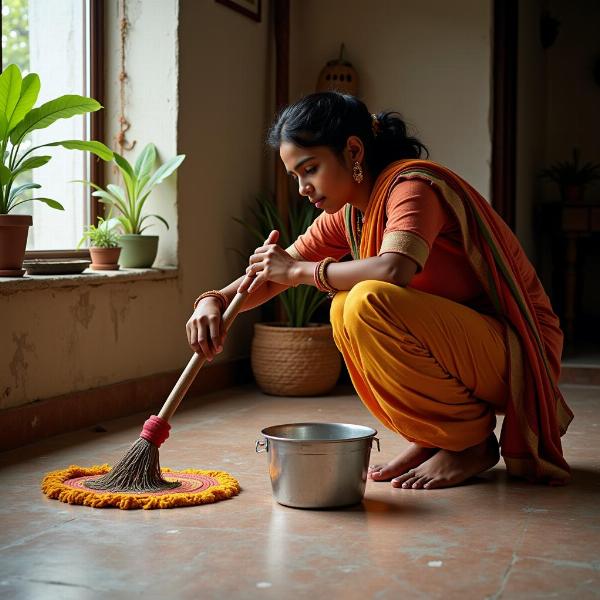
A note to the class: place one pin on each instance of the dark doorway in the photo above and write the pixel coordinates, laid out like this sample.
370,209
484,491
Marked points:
545,58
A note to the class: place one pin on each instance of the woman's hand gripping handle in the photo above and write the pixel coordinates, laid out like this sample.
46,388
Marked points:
206,329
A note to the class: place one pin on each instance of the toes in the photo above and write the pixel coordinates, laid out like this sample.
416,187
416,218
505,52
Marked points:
403,480
436,482
409,483
374,472
414,481
375,468
398,481
381,472
420,483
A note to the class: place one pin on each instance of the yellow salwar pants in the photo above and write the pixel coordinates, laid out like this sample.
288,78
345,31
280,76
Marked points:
431,369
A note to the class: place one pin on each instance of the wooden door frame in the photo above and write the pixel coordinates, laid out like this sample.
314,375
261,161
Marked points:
504,109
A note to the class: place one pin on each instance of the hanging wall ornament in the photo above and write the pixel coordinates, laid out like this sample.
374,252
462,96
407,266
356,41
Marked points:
338,75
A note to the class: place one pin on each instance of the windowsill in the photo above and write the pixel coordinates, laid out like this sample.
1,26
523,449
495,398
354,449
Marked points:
11,285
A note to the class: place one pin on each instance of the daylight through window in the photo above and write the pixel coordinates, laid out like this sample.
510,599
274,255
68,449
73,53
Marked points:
51,38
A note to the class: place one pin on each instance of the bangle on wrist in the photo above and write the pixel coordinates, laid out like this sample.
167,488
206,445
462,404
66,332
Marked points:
320,276
317,282
220,296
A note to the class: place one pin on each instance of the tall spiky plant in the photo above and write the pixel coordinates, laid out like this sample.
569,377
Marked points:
299,303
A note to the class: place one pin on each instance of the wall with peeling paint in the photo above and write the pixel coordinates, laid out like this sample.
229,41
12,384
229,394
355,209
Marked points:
197,84
66,339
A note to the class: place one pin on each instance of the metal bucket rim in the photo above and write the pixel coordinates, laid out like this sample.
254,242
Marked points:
321,440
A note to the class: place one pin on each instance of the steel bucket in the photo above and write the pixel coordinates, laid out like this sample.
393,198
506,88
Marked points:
318,465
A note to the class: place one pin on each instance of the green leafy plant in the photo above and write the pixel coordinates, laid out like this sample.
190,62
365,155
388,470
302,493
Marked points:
571,173
18,119
139,180
299,303
104,235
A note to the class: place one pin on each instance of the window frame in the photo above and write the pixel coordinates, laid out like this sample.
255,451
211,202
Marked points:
97,88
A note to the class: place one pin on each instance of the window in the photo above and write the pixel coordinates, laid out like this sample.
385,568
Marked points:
55,40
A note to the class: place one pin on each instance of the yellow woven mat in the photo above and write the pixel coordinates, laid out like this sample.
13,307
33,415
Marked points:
197,487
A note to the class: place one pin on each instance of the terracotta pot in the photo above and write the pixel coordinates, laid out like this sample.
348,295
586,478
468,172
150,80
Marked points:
295,361
105,259
13,239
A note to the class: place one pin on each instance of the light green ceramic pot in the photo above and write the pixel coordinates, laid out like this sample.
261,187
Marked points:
138,251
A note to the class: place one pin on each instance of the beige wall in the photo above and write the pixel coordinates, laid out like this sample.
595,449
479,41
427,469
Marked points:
223,95
55,341
151,100
197,85
429,60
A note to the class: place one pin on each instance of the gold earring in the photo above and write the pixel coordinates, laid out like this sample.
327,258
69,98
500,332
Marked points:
357,172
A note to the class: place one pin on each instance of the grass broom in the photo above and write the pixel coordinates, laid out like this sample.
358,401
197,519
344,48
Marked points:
139,470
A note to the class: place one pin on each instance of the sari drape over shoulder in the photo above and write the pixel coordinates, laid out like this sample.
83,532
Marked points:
536,413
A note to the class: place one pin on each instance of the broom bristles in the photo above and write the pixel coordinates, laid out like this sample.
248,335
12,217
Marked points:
137,472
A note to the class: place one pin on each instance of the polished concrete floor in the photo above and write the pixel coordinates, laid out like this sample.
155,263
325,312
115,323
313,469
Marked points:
495,538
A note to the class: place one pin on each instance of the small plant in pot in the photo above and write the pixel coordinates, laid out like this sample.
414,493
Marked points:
104,244
296,357
572,177
18,119
139,180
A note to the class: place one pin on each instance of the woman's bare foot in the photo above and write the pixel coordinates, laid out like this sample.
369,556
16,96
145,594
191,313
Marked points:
412,457
447,468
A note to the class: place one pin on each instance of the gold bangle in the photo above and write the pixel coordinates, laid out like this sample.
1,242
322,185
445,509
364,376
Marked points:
220,296
322,275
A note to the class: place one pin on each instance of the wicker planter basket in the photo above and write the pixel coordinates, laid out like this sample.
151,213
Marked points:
295,361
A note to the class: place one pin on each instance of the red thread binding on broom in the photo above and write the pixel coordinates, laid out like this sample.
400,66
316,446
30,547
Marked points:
155,430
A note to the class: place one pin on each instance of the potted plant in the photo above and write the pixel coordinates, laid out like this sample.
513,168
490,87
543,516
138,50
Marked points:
18,119
104,245
572,177
296,357
138,250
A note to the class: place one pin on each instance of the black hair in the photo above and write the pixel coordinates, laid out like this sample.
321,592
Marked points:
330,118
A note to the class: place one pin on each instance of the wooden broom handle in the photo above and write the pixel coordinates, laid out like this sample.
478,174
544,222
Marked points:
196,363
